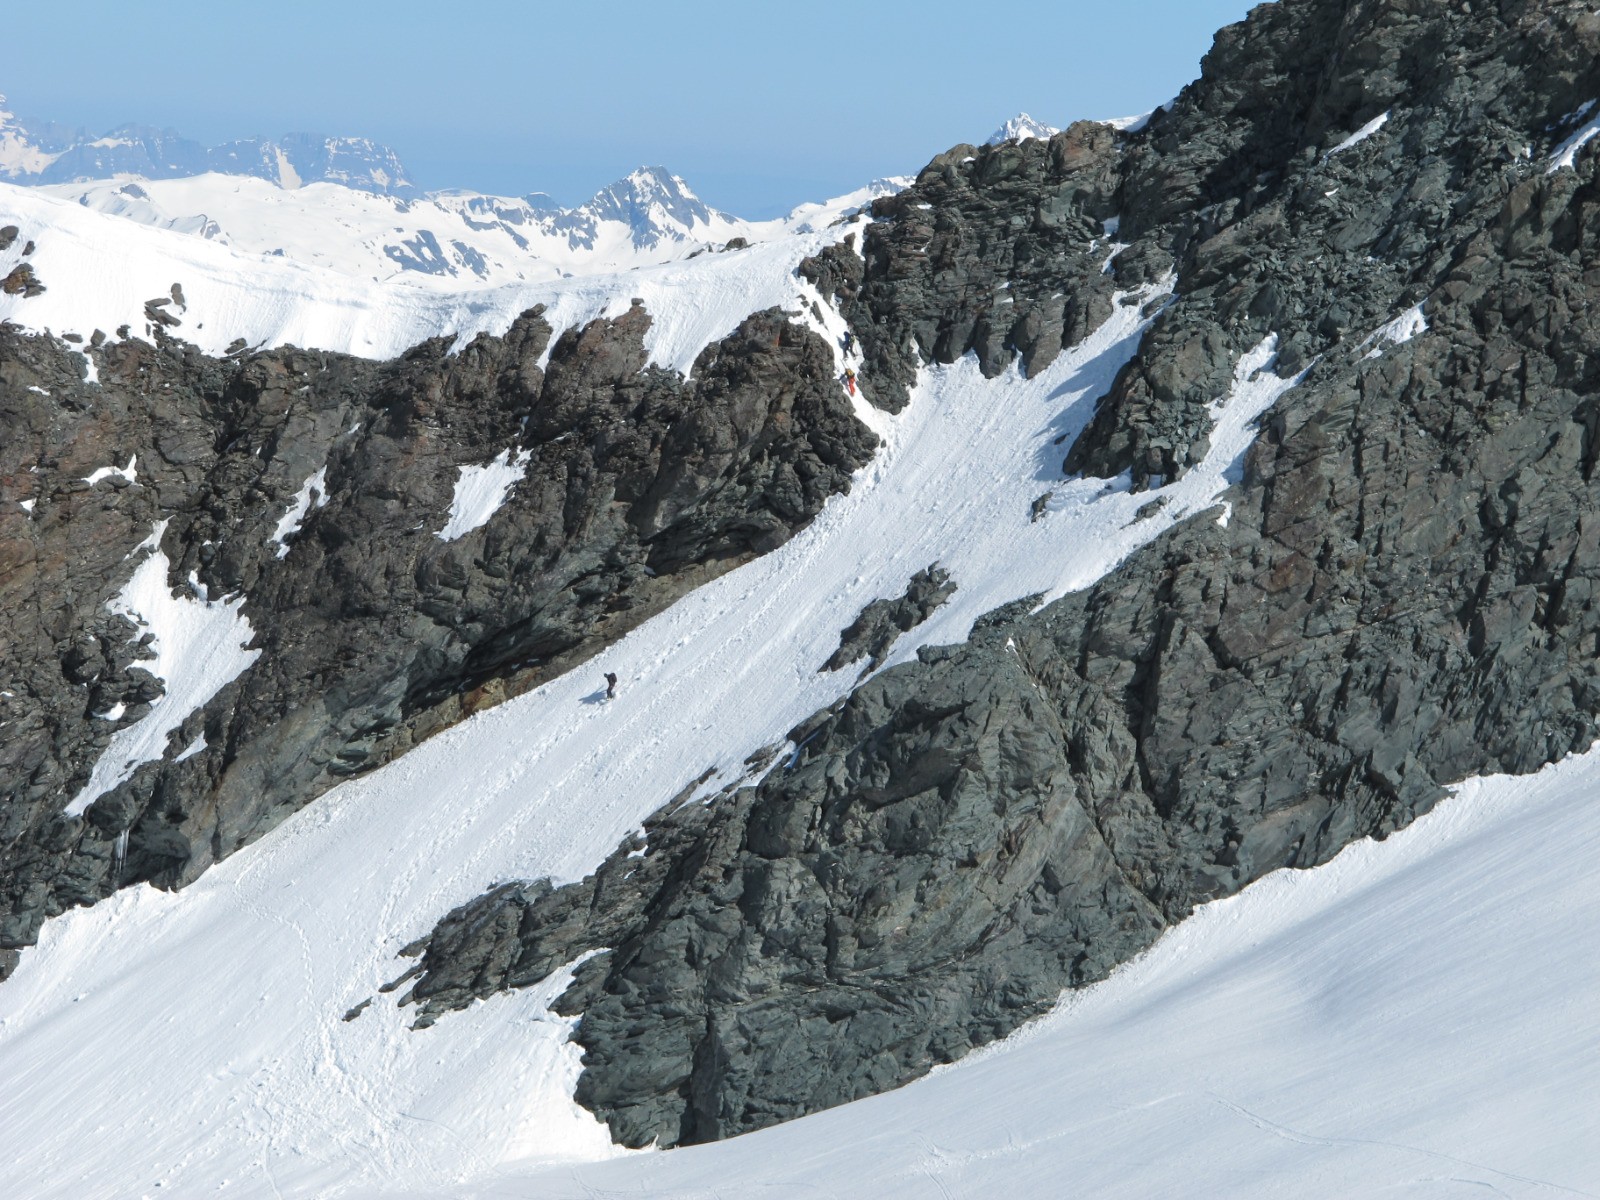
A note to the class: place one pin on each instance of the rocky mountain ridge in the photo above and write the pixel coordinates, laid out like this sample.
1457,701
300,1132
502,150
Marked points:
639,487
1387,207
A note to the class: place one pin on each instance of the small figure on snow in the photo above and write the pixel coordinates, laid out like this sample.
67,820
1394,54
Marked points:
611,685
850,380
849,341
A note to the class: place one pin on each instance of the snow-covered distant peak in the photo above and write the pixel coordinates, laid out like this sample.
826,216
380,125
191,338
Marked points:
1019,129
653,203
322,267
651,191
35,153
301,158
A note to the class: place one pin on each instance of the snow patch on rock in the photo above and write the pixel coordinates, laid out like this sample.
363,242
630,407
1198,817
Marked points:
480,491
199,647
1359,136
313,493
1565,157
1397,332
192,748
113,472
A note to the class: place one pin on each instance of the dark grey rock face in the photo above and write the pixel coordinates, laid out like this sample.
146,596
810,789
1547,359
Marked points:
1405,594
872,635
373,632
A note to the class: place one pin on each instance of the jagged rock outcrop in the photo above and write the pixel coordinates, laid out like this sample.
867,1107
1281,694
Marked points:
998,250
872,634
1404,594
372,631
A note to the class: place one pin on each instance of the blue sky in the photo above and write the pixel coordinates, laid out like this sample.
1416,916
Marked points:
758,105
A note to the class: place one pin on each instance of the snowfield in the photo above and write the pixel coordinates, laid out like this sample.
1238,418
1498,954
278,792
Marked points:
1407,1019
267,300
455,239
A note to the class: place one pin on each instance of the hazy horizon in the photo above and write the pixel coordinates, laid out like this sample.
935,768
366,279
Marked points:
522,98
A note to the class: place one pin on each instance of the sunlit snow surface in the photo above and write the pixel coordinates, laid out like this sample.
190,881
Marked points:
448,239
269,301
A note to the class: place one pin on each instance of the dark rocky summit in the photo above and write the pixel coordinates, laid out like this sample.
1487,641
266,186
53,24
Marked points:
373,632
1405,594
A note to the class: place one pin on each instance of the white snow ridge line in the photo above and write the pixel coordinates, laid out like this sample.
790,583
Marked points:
1359,136
480,491
199,646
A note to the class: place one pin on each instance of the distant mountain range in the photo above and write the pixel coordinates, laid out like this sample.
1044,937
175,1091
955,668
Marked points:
33,152
450,238
259,195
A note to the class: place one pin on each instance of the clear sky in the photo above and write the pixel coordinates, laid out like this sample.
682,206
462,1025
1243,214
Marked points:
758,105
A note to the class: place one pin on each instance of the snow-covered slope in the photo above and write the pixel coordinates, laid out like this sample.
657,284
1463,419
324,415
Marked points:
1371,1023
216,1014
461,239
333,304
